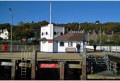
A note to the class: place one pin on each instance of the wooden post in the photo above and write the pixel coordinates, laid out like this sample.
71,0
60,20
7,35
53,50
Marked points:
84,76
33,62
61,70
110,66
115,67
91,68
13,70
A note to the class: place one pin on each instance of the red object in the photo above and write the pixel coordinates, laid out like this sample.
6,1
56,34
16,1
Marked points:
5,47
49,41
23,39
48,66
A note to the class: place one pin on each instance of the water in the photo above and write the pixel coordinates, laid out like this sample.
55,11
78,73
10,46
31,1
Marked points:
41,74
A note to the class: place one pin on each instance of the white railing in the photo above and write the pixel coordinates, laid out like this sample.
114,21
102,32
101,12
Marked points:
19,47
106,48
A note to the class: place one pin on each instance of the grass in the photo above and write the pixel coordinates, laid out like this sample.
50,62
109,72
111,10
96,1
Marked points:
96,76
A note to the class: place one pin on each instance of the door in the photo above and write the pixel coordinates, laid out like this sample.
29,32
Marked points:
55,46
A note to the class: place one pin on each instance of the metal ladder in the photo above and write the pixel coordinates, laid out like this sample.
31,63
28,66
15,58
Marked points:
107,60
24,64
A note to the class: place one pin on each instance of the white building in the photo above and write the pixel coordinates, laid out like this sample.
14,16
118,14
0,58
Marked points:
61,42
4,33
48,33
69,41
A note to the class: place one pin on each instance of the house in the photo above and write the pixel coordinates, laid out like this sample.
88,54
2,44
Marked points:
70,40
4,34
54,39
92,35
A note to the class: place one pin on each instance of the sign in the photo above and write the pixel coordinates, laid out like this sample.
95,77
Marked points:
49,41
75,66
48,65
7,63
25,65
23,39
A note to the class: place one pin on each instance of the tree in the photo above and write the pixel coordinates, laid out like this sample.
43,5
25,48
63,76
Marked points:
116,29
116,39
92,42
103,38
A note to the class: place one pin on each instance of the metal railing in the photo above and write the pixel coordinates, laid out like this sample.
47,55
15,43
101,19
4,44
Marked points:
17,48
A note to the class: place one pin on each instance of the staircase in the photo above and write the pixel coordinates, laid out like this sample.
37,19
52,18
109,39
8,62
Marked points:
96,64
24,65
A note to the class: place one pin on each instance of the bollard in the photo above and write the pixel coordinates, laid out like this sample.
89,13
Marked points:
13,70
61,70
33,62
84,76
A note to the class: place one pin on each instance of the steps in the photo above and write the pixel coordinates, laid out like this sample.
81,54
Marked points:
24,68
95,64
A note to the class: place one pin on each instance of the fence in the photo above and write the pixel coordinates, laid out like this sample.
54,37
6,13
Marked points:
18,48
106,48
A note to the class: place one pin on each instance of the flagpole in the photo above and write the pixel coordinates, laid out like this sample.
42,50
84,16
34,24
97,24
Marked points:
50,11
11,30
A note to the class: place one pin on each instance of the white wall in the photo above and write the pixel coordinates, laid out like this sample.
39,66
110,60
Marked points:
62,48
58,30
4,35
46,47
48,29
50,47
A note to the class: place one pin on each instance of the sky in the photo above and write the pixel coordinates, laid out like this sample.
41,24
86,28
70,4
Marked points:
62,11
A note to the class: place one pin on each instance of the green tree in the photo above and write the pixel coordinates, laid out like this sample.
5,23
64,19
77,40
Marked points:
116,39
92,42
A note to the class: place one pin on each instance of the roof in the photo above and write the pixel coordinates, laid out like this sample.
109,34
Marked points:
43,39
70,37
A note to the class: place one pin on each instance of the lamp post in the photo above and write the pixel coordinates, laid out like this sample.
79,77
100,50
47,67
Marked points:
11,29
108,40
97,22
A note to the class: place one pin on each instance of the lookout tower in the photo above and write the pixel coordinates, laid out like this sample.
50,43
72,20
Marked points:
48,33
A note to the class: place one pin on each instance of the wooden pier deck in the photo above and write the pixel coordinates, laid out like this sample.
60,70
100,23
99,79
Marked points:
44,56
55,56
61,58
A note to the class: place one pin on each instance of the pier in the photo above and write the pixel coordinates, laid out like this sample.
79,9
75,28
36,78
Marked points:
33,65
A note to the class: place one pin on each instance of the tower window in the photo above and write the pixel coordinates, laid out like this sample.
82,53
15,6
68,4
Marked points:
42,33
46,33
61,33
54,33
5,33
61,43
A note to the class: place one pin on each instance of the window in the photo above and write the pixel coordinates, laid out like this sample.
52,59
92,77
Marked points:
54,33
5,37
61,43
46,33
0,31
61,33
6,34
70,44
42,33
